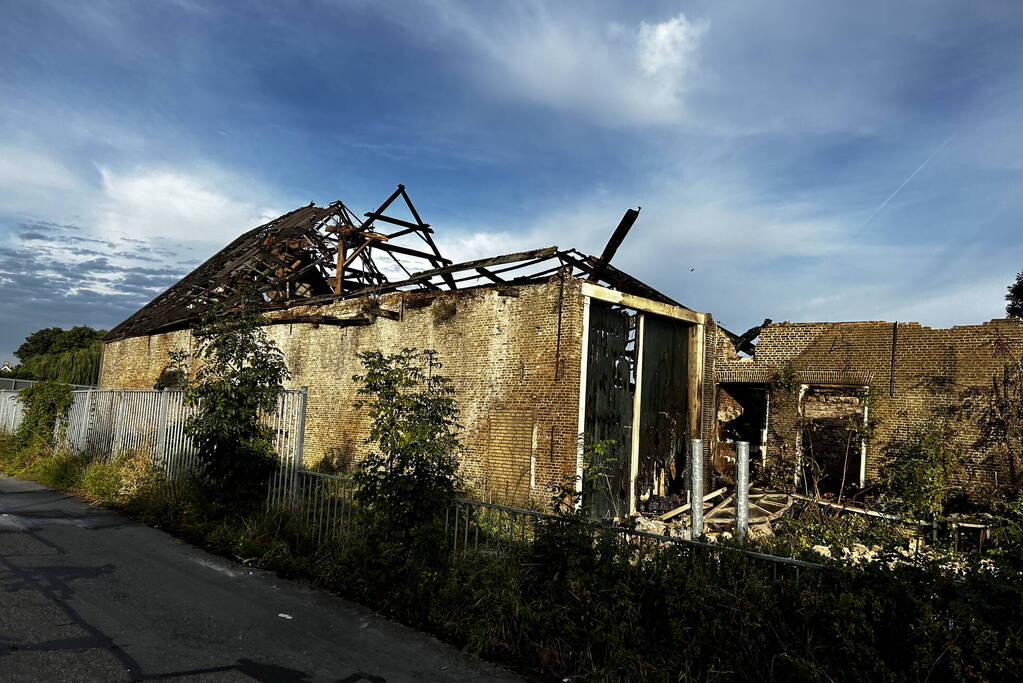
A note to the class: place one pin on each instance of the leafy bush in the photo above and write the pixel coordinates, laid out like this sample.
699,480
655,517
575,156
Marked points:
45,406
921,474
60,469
406,487
808,525
411,481
240,379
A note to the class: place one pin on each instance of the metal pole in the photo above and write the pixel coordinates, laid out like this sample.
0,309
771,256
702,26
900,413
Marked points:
115,445
741,489
296,459
696,490
83,444
160,451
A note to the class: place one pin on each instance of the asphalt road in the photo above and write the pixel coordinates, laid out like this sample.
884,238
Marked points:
88,595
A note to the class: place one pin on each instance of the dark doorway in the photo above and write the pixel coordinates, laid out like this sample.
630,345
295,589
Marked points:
742,416
832,439
608,410
663,425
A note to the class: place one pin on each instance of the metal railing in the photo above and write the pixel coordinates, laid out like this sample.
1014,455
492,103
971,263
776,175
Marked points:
11,384
474,525
324,503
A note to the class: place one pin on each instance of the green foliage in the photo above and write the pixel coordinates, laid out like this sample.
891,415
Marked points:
1014,298
38,343
786,379
808,525
175,374
78,366
408,485
45,407
240,378
101,480
59,469
569,498
52,353
997,411
921,472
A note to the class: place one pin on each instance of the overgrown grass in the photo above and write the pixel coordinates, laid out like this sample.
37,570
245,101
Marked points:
567,607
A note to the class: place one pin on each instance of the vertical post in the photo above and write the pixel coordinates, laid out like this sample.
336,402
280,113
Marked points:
742,489
160,449
115,445
299,443
696,488
583,367
637,409
83,442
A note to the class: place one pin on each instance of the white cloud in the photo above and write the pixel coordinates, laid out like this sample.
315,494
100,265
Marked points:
178,205
666,53
613,73
30,179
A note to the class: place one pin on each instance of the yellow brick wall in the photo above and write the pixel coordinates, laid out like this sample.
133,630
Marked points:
932,368
514,363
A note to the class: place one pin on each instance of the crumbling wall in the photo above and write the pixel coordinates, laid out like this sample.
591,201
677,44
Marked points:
914,374
513,356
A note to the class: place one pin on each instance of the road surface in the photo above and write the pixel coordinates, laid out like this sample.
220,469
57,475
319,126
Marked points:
88,595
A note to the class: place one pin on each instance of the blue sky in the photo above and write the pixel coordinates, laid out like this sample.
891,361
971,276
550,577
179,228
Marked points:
809,161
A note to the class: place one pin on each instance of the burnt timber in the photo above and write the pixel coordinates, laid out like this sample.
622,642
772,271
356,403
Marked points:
315,255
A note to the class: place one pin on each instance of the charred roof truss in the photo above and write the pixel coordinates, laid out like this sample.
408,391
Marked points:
315,255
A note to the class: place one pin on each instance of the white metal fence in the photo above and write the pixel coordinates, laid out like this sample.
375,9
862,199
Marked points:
110,421
10,410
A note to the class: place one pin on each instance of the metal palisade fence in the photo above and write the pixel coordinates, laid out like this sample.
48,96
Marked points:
109,421
10,410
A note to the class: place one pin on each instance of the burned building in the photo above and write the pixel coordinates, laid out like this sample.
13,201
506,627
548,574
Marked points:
831,404
541,346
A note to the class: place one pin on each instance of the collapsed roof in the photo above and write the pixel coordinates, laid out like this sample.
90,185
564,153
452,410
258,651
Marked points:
315,255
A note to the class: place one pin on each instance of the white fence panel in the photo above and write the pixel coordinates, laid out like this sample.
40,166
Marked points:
10,410
107,422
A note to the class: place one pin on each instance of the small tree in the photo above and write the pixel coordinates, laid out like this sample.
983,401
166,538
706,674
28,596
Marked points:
922,473
175,373
997,410
1014,298
240,378
407,486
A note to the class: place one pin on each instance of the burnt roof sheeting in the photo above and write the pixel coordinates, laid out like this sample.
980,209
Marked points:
293,260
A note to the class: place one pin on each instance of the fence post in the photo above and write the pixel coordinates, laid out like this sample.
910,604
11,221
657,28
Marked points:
86,426
741,489
115,444
160,450
299,443
696,489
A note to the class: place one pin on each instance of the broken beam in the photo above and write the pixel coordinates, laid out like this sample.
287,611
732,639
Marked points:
320,320
617,237
397,221
641,304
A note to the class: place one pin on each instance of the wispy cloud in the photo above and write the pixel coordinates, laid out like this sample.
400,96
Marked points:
560,56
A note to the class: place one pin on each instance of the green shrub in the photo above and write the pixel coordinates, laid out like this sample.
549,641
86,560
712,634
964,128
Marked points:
102,481
240,378
45,407
59,470
922,470
808,525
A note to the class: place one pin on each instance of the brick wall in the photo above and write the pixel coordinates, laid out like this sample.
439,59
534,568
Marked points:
931,368
514,363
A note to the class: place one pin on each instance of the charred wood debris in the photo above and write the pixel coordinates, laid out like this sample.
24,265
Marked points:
316,255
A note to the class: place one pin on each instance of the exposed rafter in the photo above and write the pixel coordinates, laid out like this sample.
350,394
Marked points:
315,255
